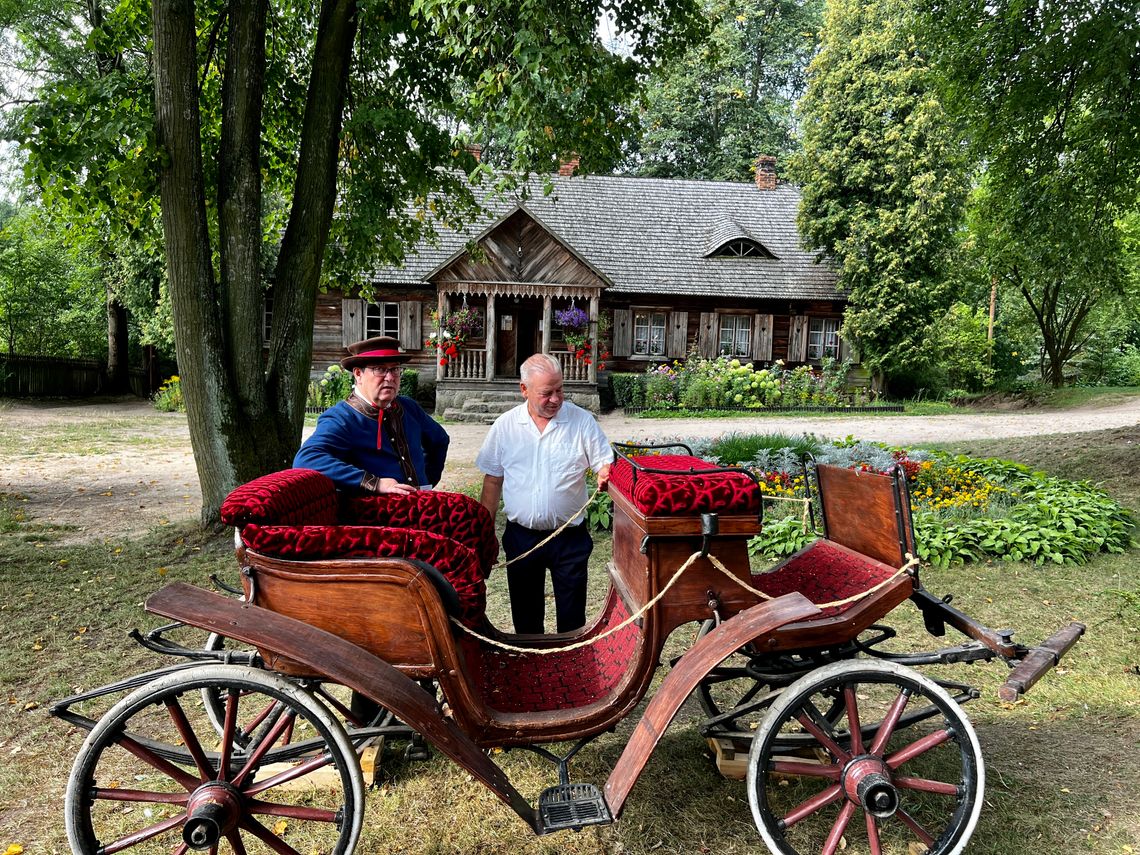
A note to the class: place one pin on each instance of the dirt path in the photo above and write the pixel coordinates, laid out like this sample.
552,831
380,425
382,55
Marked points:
111,470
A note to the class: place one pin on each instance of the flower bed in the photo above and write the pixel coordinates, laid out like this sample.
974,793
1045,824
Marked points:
965,509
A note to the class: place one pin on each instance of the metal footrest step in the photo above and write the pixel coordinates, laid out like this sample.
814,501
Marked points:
572,806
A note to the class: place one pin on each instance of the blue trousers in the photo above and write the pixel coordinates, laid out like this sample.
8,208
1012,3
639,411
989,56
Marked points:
566,557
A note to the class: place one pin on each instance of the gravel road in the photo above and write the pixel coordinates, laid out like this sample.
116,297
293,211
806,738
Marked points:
117,469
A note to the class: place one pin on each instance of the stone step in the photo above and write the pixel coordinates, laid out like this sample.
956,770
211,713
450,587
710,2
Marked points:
479,405
452,414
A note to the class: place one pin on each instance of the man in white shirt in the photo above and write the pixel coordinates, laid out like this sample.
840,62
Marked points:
535,458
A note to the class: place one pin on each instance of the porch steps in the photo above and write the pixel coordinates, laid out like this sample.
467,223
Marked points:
483,407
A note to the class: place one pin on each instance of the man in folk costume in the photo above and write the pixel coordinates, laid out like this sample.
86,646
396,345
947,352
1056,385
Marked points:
376,441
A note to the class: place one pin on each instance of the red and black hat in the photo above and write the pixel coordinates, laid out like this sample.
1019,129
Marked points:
379,349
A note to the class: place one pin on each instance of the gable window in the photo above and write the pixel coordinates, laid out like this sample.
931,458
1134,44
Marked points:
735,335
649,333
382,319
823,339
742,248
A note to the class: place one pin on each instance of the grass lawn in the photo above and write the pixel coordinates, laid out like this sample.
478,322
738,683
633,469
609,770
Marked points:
1062,766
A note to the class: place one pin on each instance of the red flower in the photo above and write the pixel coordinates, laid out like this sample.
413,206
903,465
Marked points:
443,360
586,360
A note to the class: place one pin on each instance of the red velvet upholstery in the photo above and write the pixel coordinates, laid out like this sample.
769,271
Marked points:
289,497
823,573
528,682
458,563
659,494
459,517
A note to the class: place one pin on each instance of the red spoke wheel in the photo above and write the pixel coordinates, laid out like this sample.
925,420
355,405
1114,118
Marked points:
897,788
155,774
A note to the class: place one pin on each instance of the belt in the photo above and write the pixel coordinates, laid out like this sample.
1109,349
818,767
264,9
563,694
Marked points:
545,531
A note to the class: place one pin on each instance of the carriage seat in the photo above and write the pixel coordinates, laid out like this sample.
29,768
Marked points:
298,514
683,489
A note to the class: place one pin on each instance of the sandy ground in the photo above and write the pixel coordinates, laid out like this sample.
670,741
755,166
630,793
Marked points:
117,469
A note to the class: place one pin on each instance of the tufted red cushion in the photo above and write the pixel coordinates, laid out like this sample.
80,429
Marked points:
458,563
823,573
459,517
684,493
529,682
289,497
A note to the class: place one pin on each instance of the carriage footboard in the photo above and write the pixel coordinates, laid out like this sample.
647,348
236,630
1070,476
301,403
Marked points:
342,662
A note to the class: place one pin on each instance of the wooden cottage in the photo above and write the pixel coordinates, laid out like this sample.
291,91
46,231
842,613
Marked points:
661,267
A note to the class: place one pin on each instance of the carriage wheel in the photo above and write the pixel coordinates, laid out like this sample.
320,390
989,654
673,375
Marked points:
899,791
207,792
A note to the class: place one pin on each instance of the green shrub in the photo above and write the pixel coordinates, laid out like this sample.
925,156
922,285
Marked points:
410,383
737,448
780,538
168,398
629,390
660,390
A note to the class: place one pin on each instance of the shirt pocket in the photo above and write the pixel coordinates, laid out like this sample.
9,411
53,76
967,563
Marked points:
564,459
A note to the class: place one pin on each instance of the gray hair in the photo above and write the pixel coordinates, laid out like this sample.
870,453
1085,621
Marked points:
539,363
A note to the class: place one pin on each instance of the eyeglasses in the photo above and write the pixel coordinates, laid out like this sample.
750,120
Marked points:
381,370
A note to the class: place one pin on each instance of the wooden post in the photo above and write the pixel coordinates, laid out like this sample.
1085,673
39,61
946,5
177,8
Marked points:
492,332
546,324
441,309
592,373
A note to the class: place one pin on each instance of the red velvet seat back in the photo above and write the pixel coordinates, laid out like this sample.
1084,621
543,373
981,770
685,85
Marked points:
289,497
452,514
686,492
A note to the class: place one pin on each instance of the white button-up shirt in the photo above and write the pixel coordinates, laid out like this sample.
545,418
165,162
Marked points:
544,473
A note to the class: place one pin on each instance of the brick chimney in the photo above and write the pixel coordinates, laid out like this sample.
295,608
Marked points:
569,165
766,172
476,151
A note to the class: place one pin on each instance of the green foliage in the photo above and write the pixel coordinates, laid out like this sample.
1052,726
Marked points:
168,398
600,513
729,98
629,389
737,448
780,538
958,350
882,178
1049,102
51,302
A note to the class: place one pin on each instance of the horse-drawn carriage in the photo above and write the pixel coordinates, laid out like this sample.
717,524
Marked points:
383,598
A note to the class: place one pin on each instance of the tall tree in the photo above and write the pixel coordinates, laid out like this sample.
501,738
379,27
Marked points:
729,98
325,136
882,178
1050,93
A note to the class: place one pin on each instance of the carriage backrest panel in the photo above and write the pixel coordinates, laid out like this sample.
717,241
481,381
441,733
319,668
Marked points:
458,564
865,511
686,489
376,607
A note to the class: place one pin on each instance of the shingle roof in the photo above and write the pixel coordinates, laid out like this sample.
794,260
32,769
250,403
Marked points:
651,235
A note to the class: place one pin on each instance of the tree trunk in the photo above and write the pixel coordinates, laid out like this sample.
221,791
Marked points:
117,381
244,420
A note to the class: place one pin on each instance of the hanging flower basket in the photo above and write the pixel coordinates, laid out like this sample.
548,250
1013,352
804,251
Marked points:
575,324
453,331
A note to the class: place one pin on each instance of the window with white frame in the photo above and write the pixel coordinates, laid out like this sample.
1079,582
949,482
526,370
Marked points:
648,333
382,319
735,335
823,339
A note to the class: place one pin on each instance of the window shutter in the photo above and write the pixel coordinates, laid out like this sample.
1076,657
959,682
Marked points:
708,335
411,319
762,338
844,350
677,335
797,338
623,332
352,314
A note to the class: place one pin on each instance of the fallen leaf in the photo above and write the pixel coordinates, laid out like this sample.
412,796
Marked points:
30,705
279,827
14,849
